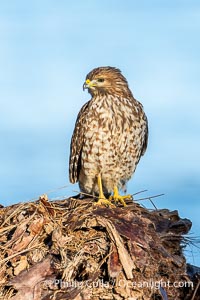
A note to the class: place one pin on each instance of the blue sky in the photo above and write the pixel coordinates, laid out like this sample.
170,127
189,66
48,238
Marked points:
46,50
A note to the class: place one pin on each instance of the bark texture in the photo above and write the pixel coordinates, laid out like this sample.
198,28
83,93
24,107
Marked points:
71,249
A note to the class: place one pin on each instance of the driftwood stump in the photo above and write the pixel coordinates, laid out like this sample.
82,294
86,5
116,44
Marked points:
71,249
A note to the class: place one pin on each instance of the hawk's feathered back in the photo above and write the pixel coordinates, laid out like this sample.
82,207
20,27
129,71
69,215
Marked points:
110,134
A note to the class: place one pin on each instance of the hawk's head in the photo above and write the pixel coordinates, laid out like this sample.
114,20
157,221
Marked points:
107,80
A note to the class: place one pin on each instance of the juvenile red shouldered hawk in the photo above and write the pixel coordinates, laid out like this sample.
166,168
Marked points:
109,137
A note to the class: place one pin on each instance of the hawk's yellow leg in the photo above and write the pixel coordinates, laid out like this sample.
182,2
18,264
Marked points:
102,199
118,198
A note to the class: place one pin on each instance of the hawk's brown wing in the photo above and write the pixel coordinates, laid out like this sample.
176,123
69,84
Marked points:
145,137
76,145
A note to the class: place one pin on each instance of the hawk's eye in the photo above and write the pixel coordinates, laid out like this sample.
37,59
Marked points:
100,80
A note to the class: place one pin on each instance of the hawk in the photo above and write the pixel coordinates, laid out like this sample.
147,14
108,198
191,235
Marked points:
110,136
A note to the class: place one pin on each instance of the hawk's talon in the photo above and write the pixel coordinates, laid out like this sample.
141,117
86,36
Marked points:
102,199
118,198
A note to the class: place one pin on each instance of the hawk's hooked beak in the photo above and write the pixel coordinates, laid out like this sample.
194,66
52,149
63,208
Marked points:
88,84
